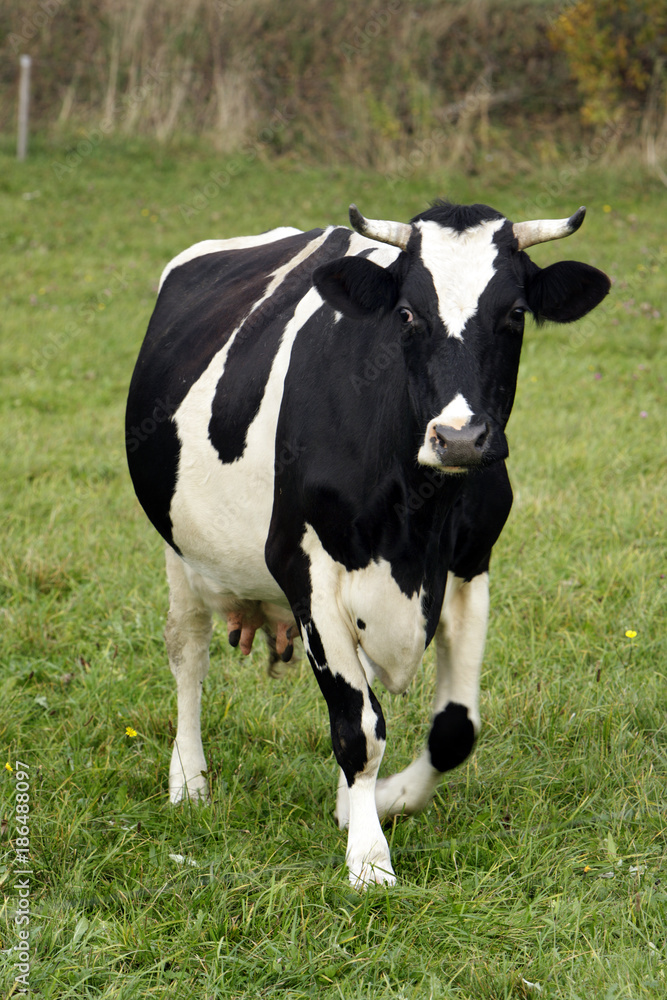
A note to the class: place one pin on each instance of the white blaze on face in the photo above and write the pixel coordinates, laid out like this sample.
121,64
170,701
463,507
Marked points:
461,266
456,414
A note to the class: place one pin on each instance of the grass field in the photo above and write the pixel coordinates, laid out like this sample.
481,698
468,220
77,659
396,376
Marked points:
540,861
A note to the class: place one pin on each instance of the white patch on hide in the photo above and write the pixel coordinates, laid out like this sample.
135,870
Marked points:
461,265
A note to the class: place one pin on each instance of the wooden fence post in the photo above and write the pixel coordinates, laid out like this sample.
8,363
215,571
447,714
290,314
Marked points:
24,105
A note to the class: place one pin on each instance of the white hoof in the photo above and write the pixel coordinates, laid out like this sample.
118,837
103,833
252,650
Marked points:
371,874
186,781
195,790
371,867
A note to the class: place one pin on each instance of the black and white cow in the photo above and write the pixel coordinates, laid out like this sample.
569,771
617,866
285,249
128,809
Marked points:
316,427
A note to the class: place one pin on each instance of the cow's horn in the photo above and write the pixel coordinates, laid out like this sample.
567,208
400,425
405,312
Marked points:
395,233
543,230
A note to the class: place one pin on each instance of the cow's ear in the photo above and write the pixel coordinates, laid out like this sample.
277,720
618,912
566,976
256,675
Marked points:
566,291
356,287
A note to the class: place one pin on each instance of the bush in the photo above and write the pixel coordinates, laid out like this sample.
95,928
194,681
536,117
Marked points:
616,52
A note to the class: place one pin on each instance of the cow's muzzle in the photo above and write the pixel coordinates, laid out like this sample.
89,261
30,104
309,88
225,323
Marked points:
460,450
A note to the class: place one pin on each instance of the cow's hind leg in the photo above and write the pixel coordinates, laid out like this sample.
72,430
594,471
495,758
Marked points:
187,634
460,640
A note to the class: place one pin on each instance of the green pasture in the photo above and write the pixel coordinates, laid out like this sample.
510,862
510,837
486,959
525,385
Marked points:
540,868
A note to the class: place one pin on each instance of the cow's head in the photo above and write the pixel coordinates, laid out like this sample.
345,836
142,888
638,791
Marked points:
455,299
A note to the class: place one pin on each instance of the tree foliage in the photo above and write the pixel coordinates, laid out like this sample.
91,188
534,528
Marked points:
616,51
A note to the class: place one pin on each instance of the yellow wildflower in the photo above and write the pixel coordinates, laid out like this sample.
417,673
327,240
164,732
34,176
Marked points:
129,731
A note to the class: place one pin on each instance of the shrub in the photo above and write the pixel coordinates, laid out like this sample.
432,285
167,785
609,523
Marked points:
616,52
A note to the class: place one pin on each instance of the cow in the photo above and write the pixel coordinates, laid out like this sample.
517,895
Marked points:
316,428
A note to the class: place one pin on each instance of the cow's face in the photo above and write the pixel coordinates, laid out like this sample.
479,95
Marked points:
456,299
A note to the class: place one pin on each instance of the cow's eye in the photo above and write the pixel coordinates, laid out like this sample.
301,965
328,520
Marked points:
517,314
406,315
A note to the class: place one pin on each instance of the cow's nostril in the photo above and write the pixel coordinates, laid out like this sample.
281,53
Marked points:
464,447
482,437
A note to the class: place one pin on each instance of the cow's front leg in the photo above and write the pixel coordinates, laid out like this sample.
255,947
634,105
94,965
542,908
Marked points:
460,640
358,738
187,634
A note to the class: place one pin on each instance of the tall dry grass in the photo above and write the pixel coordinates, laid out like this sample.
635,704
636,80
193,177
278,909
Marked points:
396,84
369,82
